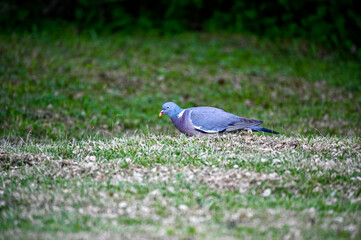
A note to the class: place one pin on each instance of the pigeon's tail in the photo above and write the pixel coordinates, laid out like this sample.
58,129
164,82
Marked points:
262,129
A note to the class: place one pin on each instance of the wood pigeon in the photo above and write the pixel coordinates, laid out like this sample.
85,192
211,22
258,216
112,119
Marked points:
208,120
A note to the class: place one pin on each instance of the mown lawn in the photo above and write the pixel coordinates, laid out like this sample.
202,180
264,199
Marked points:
65,85
161,187
83,154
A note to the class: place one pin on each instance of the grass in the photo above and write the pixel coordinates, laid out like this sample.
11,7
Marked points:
158,186
76,85
83,153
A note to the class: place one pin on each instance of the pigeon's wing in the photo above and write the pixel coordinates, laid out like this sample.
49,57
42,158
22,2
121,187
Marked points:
242,124
213,120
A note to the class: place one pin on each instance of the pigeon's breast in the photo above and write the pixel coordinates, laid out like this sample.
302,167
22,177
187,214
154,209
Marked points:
183,123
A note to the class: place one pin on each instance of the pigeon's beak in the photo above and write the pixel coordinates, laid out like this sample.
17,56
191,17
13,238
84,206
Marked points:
161,113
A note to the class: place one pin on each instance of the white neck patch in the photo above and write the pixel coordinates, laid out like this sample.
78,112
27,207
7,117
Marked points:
180,114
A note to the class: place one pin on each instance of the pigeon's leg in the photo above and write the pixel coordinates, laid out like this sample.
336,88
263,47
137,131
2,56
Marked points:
249,131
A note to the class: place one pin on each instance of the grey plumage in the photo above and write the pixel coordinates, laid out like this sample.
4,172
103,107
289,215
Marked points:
208,120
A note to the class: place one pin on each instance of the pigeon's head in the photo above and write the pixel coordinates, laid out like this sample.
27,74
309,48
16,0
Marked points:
171,109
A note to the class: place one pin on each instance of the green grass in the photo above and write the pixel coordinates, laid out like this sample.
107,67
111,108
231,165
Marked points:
84,155
158,186
76,85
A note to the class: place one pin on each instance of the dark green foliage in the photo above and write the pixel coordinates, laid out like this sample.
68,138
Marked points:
333,23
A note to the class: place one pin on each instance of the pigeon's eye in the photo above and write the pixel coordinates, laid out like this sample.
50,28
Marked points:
167,106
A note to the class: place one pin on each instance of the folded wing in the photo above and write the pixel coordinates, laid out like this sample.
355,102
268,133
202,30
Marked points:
213,120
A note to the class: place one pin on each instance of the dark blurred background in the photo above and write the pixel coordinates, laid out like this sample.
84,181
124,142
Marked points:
333,23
